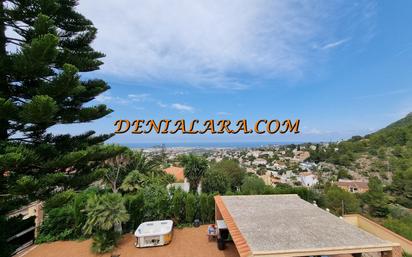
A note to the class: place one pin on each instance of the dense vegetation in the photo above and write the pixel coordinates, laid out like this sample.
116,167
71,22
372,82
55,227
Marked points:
40,87
388,154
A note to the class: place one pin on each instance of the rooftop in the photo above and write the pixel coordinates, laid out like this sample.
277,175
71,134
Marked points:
353,183
178,172
286,223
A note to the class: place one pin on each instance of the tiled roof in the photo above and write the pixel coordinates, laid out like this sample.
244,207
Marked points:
178,172
353,183
240,242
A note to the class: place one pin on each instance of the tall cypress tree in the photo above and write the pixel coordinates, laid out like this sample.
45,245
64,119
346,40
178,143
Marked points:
44,46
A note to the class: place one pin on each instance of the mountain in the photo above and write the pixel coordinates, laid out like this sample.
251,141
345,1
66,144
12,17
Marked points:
398,133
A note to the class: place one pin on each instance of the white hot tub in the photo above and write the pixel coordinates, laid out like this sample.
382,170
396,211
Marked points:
154,233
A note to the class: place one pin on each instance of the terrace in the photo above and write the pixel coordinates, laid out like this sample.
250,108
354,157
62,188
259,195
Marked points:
186,242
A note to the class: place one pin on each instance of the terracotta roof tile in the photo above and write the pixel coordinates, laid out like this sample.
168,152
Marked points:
240,242
178,172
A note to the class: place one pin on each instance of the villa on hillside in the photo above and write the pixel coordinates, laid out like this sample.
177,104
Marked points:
308,179
353,186
286,225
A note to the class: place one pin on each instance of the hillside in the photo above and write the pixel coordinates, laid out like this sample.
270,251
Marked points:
397,133
386,154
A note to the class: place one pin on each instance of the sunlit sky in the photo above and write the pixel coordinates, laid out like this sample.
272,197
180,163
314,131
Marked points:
342,67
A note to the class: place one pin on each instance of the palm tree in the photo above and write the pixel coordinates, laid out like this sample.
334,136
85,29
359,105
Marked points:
194,169
134,181
105,213
138,161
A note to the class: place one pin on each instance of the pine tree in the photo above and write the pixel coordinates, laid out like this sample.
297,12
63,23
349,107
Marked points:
44,46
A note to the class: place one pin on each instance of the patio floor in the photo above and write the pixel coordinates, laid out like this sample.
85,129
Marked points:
186,242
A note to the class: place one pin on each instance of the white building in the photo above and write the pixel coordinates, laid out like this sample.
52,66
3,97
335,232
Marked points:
308,179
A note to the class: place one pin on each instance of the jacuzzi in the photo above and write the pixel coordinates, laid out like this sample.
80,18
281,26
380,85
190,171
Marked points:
154,233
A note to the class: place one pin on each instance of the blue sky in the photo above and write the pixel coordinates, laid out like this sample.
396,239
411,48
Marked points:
342,67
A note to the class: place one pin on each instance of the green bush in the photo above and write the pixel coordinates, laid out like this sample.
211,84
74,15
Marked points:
253,185
178,206
215,181
134,205
156,202
59,200
204,206
336,197
105,215
401,226
211,208
104,241
59,225
190,208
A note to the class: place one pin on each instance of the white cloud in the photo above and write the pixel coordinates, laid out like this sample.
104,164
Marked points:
335,44
107,98
102,98
205,43
161,104
183,107
138,97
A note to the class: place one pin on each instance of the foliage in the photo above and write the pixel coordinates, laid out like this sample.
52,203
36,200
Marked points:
376,198
138,161
253,185
337,198
156,202
58,200
105,215
190,208
215,181
134,204
64,216
104,241
136,180
211,208
400,226
402,187
203,207
194,169
235,172
6,249
178,206
59,225
305,193
40,87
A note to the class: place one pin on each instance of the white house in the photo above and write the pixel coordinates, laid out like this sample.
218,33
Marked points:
308,179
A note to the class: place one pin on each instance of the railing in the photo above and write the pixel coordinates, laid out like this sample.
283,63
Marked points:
379,231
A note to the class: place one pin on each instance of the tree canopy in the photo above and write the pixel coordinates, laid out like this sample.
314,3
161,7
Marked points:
44,46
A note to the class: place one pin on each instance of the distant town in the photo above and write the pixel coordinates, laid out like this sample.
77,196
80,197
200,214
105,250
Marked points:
274,164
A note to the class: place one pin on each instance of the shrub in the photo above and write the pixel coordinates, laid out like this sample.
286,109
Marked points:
335,197
156,202
59,225
211,208
215,181
58,200
190,208
105,215
204,208
104,241
253,185
178,206
400,226
134,205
